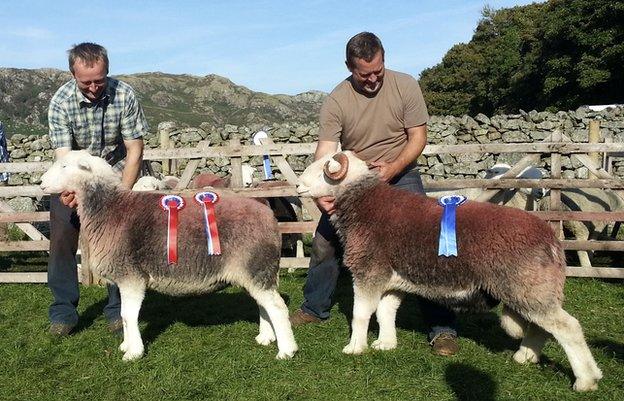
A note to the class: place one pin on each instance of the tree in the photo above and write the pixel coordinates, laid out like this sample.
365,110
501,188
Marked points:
560,54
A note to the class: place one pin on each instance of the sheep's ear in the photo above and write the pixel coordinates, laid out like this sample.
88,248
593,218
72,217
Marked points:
84,165
336,167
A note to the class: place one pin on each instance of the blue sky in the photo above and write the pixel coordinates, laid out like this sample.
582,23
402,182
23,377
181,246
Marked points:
270,46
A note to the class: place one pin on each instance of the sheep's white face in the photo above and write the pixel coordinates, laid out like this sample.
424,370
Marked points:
68,172
148,183
313,181
247,175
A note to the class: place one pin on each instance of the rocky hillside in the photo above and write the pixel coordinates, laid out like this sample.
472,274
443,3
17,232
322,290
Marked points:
188,99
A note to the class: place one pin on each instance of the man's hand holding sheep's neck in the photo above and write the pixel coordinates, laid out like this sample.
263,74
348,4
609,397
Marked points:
129,175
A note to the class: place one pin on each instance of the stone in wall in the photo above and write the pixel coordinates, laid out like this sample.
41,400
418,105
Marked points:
532,126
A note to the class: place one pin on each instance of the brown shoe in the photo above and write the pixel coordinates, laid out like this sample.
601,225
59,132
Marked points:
445,344
300,317
116,327
61,329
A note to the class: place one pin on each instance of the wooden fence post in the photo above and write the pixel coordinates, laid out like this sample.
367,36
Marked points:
594,137
555,193
165,144
236,166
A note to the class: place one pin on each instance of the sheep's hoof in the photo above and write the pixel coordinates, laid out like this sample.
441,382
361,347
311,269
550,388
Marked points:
525,355
265,338
384,345
132,355
354,349
286,354
585,384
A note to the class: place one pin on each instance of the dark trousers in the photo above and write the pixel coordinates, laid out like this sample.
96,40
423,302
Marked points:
324,269
63,270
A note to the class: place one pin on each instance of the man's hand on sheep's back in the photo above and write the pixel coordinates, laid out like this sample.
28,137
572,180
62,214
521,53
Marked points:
68,198
386,171
325,204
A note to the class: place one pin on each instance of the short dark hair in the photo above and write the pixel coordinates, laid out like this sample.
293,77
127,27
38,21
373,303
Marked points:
88,53
364,45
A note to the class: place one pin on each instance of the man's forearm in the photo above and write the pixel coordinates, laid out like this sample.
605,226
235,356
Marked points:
134,158
130,173
416,142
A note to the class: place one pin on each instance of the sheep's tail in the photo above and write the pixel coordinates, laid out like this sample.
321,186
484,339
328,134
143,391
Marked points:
558,255
513,324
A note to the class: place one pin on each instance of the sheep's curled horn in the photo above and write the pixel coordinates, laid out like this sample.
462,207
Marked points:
344,166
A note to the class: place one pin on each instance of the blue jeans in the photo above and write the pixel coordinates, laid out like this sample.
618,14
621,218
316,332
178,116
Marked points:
63,271
324,269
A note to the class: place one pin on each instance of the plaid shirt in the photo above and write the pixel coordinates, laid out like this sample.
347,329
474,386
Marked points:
99,127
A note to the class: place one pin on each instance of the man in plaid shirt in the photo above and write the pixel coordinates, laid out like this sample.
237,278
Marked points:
101,115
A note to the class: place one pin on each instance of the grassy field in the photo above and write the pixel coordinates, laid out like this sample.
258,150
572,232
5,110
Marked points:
203,348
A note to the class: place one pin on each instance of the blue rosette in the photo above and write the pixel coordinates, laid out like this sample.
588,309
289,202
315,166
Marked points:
447,245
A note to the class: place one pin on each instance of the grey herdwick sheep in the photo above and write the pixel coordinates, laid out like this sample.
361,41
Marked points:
390,241
526,199
126,232
587,200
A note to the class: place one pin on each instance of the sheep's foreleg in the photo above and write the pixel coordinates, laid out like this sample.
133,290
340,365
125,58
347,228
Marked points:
386,317
266,335
132,293
364,304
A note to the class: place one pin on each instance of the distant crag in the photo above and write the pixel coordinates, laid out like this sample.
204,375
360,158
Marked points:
188,99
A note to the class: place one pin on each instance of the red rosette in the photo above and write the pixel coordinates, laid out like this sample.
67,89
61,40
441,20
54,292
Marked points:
207,200
172,204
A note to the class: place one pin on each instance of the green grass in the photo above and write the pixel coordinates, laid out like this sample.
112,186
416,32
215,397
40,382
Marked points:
203,348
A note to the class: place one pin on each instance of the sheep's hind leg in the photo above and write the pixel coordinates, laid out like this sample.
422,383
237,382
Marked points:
273,304
513,324
568,332
531,345
266,335
386,317
132,293
364,304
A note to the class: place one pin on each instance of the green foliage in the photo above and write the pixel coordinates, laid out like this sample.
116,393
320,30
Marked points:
202,348
559,54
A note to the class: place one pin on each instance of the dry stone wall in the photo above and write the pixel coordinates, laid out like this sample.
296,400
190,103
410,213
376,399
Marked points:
523,127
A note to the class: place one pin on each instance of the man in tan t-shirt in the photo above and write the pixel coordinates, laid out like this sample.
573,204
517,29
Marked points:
380,115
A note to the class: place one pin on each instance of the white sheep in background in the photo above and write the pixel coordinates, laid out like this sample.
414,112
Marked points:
127,236
390,241
525,199
150,183
586,200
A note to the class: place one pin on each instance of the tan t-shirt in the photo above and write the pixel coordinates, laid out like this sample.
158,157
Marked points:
374,128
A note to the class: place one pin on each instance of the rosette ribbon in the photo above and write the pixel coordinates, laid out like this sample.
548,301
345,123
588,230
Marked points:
172,204
208,200
266,161
447,245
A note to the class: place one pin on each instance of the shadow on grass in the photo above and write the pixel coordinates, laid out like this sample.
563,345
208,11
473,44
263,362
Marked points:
610,348
483,328
160,311
90,314
469,383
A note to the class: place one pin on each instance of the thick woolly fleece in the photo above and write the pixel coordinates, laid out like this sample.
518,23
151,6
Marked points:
386,230
127,235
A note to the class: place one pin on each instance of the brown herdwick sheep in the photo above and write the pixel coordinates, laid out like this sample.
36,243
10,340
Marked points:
127,236
390,240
